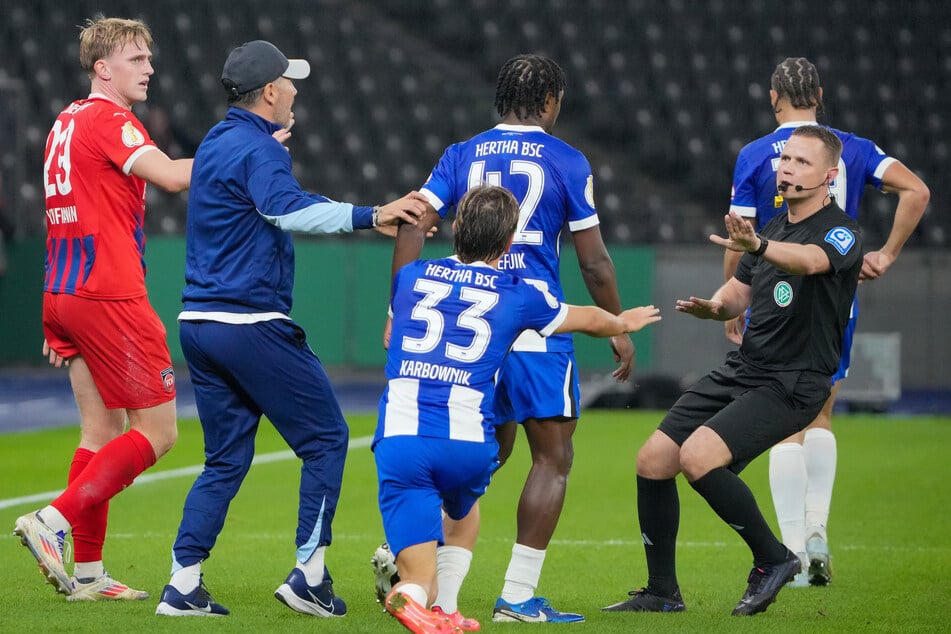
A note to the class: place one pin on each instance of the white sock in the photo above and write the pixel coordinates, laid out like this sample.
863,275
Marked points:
452,566
787,480
415,592
88,570
54,519
185,580
521,577
313,568
820,452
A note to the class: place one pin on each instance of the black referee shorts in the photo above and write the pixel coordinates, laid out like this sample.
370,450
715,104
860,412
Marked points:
751,410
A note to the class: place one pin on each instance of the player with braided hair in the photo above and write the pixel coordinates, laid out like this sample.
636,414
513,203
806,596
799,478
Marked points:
797,80
802,467
538,384
523,84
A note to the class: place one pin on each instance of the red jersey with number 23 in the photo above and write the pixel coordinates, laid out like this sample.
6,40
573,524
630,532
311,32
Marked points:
95,206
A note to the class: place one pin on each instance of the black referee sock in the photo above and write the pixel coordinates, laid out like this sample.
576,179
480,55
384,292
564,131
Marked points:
658,511
733,501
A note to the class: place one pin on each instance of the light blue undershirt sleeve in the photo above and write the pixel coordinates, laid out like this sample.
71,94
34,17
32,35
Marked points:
329,217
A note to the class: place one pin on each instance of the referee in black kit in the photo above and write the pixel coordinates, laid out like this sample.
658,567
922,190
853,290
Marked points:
799,278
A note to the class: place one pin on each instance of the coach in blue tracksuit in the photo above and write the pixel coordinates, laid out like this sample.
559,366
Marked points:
246,356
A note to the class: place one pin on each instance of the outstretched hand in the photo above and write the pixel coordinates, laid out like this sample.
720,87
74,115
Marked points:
407,209
637,318
741,236
700,308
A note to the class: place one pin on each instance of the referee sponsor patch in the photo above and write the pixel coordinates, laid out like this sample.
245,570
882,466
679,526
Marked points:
841,238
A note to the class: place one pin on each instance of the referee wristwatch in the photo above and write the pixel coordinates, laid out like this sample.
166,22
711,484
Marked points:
763,243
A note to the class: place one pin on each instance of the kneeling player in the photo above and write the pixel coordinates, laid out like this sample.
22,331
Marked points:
454,320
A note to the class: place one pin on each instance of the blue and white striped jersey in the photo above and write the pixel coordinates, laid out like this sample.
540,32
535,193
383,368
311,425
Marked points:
554,186
754,177
453,324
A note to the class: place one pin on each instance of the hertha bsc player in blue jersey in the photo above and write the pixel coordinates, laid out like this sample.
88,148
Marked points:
802,468
538,385
454,320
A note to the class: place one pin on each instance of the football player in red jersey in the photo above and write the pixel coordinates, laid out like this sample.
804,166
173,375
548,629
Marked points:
96,315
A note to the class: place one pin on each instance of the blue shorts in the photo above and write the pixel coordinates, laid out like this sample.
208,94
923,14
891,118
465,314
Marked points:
420,476
540,385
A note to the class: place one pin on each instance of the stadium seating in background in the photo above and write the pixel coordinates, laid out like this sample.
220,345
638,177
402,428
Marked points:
661,96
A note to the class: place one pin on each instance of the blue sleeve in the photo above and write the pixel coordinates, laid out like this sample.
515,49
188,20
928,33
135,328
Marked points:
362,217
743,198
579,191
280,200
876,161
863,163
542,310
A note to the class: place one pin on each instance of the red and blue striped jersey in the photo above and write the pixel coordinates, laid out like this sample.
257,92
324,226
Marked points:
95,206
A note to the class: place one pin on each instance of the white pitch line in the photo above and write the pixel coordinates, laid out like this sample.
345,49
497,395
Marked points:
145,478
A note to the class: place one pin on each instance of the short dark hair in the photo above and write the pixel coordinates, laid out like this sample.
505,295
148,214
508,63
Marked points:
486,218
829,138
245,100
797,79
524,83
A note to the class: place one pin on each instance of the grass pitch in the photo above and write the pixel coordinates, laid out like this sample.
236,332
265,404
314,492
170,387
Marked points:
889,536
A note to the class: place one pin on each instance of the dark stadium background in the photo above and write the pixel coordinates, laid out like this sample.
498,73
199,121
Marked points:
661,96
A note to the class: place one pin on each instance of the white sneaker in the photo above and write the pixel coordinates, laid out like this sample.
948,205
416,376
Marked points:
105,588
384,567
48,547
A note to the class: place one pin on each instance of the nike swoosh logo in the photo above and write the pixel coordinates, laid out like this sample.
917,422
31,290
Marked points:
327,606
515,615
206,608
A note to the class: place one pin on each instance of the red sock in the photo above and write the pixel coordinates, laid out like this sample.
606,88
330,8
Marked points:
112,469
89,530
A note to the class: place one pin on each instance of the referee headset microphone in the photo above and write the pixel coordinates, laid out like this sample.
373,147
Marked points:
782,187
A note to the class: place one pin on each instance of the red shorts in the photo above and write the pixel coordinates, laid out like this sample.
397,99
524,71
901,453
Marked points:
122,342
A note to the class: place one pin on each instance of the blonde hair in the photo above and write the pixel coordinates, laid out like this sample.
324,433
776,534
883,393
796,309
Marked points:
100,37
